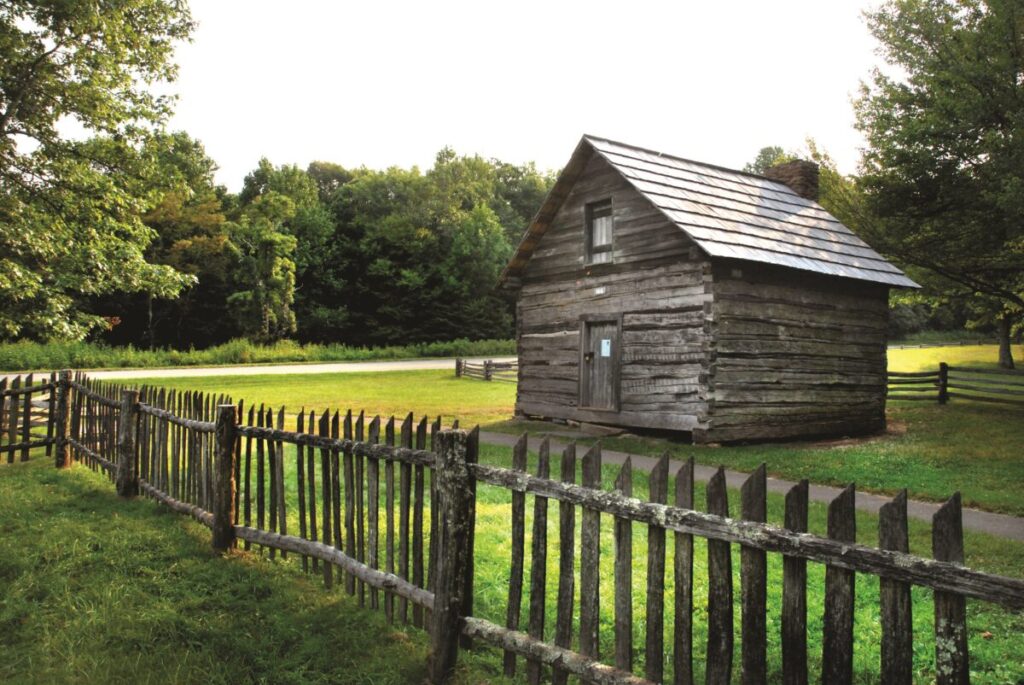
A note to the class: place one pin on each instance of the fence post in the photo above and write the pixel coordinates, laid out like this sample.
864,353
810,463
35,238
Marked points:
127,477
458,368
488,370
456,501
943,382
61,420
224,479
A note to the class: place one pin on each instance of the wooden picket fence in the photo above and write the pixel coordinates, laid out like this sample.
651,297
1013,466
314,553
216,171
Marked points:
388,509
26,420
947,382
487,370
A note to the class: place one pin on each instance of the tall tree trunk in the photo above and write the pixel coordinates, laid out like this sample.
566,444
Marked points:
1005,351
150,333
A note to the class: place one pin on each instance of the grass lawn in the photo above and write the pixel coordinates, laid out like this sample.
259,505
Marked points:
928,358
94,589
387,393
996,637
86,575
933,450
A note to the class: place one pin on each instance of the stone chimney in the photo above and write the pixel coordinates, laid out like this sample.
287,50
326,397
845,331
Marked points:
800,175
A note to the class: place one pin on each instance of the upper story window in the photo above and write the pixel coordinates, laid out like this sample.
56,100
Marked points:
599,232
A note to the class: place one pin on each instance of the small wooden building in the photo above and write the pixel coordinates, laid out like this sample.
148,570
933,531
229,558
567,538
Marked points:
655,292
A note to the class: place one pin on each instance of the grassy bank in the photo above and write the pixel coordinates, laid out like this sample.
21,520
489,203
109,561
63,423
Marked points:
26,356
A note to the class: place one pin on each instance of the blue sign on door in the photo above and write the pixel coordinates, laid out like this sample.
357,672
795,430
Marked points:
606,347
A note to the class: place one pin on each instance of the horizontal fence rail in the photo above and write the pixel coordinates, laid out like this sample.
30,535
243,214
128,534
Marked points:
1002,386
959,343
487,370
386,510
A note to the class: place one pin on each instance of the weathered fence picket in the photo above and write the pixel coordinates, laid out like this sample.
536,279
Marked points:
515,579
718,664
794,593
538,563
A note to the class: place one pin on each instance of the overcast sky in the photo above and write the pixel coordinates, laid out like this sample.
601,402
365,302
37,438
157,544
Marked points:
387,83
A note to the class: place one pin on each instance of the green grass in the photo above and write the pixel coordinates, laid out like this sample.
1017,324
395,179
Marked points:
928,358
95,589
996,637
931,450
387,393
26,356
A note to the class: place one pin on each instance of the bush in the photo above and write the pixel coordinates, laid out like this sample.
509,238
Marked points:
22,356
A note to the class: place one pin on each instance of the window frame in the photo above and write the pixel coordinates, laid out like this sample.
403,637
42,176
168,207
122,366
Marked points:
597,210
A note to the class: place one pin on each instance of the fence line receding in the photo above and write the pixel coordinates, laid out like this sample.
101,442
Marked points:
386,510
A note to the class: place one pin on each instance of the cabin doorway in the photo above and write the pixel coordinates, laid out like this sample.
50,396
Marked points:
599,365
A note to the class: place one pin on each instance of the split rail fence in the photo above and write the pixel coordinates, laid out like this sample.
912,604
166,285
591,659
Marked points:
388,509
961,382
487,370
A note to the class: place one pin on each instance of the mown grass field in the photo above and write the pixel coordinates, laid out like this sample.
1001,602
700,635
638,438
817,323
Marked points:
98,589
931,450
393,393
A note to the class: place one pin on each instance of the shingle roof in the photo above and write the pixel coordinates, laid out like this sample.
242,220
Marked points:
729,214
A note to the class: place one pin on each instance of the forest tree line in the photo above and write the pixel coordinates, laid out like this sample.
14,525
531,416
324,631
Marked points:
329,254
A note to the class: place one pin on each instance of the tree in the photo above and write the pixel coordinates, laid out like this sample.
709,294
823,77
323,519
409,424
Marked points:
767,157
266,271
70,211
944,170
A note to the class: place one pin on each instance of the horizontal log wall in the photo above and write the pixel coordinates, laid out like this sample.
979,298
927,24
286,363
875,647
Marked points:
656,283
794,354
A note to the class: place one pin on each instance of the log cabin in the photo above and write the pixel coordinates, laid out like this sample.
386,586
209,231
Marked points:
654,292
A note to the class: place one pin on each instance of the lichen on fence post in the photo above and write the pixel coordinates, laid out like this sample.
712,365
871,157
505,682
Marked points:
127,477
224,479
455,500
61,420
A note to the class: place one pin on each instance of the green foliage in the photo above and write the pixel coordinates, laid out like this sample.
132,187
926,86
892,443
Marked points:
25,355
767,157
70,211
266,269
944,171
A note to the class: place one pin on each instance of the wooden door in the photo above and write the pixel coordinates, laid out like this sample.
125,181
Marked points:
599,365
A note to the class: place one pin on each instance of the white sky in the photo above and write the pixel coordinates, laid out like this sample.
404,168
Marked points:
390,83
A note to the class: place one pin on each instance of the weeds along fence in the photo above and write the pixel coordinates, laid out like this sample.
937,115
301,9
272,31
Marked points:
948,382
487,370
26,418
388,509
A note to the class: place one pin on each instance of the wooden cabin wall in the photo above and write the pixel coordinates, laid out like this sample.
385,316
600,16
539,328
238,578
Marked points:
794,354
657,283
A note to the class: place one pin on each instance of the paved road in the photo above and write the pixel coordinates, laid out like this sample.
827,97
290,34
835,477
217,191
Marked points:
285,369
1001,525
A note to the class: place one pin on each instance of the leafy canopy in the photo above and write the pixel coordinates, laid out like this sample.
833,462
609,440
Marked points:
944,170
70,210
